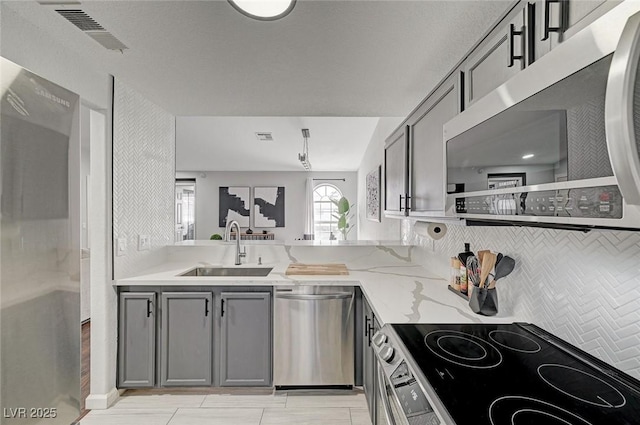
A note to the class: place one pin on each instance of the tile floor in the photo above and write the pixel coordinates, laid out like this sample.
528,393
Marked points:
235,408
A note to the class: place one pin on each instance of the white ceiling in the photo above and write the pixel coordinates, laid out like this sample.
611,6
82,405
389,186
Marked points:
230,143
335,59
327,58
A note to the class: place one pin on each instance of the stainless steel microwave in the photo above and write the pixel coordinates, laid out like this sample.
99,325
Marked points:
559,143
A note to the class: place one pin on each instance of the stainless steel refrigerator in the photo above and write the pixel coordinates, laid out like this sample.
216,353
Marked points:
39,246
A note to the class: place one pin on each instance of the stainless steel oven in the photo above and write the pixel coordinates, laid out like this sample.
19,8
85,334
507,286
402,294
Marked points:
403,396
559,143
384,398
494,374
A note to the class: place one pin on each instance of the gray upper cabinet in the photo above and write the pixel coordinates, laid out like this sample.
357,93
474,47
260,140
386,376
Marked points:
137,340
426,147
245,348
499,57
187,338
396,172
558,20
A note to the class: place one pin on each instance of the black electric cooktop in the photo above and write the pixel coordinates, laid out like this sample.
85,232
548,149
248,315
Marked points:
517,374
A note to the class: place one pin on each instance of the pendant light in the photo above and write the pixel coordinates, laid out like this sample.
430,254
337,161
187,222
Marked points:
304,156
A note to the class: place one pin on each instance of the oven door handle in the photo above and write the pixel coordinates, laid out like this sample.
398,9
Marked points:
619,112
383,397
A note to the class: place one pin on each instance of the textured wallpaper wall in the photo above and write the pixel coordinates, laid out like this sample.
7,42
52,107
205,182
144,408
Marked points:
143,178
584,288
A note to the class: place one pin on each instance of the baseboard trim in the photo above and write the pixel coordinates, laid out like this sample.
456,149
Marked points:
102,401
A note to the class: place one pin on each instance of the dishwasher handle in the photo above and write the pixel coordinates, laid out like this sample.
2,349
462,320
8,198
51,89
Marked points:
314,297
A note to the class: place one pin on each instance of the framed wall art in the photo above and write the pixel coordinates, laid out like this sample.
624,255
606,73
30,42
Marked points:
268,206
373,194
234,204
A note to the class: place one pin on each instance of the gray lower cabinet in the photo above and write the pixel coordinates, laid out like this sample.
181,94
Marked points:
501,56
426,147
245,333
369,369
187,338
137,340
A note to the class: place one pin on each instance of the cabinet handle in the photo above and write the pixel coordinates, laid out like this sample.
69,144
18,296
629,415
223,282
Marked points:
510,45
222,308
371,328
407,206
149,312
401,208
366,325
206,307
547,17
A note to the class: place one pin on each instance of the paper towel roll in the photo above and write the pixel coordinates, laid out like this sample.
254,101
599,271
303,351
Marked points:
435,231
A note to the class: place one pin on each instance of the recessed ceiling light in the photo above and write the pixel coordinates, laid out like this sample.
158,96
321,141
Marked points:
527,156
264,10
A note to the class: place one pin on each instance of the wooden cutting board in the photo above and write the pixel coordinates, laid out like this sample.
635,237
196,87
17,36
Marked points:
317,269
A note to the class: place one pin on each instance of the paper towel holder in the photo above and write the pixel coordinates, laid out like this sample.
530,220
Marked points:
435,231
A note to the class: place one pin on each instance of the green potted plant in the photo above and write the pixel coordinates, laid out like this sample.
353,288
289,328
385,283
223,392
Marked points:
216,237
343,216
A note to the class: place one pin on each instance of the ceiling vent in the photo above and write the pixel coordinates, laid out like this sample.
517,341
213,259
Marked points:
80,19
92,28
265,137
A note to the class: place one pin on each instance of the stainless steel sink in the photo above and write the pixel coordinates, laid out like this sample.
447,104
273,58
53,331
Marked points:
228,271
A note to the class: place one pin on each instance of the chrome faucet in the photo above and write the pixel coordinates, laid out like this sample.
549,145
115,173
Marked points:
227,237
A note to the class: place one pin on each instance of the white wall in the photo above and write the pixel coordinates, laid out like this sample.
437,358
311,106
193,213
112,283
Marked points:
293,181
143,179
387,229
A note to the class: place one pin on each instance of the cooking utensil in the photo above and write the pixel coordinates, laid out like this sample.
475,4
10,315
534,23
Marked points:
488,262
503,269
481,254
472,270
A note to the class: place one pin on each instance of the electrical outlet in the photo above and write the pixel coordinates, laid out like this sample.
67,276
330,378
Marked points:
121,247
144,242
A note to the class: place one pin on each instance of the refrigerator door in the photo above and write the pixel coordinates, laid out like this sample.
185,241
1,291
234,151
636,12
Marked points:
40,255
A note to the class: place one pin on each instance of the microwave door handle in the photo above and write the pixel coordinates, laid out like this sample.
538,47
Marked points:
620,120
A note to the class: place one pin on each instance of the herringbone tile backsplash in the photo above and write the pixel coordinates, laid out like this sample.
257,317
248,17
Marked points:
582,287
143,178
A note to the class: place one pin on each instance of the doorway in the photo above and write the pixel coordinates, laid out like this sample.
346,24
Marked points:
185,216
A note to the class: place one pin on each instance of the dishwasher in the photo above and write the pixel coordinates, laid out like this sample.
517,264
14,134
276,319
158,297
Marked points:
313,337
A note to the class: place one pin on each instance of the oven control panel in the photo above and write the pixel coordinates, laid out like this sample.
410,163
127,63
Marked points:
584,202
411,398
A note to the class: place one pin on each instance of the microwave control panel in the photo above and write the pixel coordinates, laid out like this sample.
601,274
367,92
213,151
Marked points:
589,202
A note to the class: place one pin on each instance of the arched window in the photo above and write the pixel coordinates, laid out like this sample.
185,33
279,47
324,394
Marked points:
325,225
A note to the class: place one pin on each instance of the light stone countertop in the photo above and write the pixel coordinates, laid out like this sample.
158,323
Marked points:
398,290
